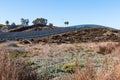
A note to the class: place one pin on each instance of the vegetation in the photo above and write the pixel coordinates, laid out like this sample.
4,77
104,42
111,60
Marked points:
70,68
86,64
24,22
63,57
7,22
89,73
66,22
15,69
13,24
1,25
41,21
50,24
15,55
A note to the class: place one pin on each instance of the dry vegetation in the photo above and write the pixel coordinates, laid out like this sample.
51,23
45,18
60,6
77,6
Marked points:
14,68
83,35
1,25
89,72
76,61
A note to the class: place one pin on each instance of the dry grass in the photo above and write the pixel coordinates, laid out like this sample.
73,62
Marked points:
116,51
100,47
14,69
109,48
90,73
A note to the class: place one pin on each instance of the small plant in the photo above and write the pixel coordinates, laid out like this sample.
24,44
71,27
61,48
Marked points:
86,51
70,68
29,63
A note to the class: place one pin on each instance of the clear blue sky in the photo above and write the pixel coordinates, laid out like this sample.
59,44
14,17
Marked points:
102,12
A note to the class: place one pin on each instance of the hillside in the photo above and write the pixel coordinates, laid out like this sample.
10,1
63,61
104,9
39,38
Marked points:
71,34
91,51
1,25
31,28
83,35
47,27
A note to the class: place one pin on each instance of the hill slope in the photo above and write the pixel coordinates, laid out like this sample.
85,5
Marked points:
31,28
83,35
79,33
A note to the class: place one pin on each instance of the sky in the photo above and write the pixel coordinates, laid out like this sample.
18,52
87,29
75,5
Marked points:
77,12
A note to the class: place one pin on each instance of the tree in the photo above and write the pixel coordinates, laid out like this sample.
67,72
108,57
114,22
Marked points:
27,21
41,21
7,22
24,22
50,24
66,22
13,25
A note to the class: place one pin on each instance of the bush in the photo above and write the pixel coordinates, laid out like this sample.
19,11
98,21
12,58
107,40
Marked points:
108,48
15,69
50,24
70,68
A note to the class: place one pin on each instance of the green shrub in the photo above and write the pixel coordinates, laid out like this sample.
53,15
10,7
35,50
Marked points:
29,63
70,68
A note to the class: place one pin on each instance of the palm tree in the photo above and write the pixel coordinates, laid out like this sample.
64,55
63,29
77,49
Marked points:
66,22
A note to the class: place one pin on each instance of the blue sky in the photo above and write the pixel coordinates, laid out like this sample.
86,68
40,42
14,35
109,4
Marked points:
102,12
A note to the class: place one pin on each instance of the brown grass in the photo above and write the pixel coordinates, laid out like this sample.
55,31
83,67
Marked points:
109,48
90,73
15,69
116,51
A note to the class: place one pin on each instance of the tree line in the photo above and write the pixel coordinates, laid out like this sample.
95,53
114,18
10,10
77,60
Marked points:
41,21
